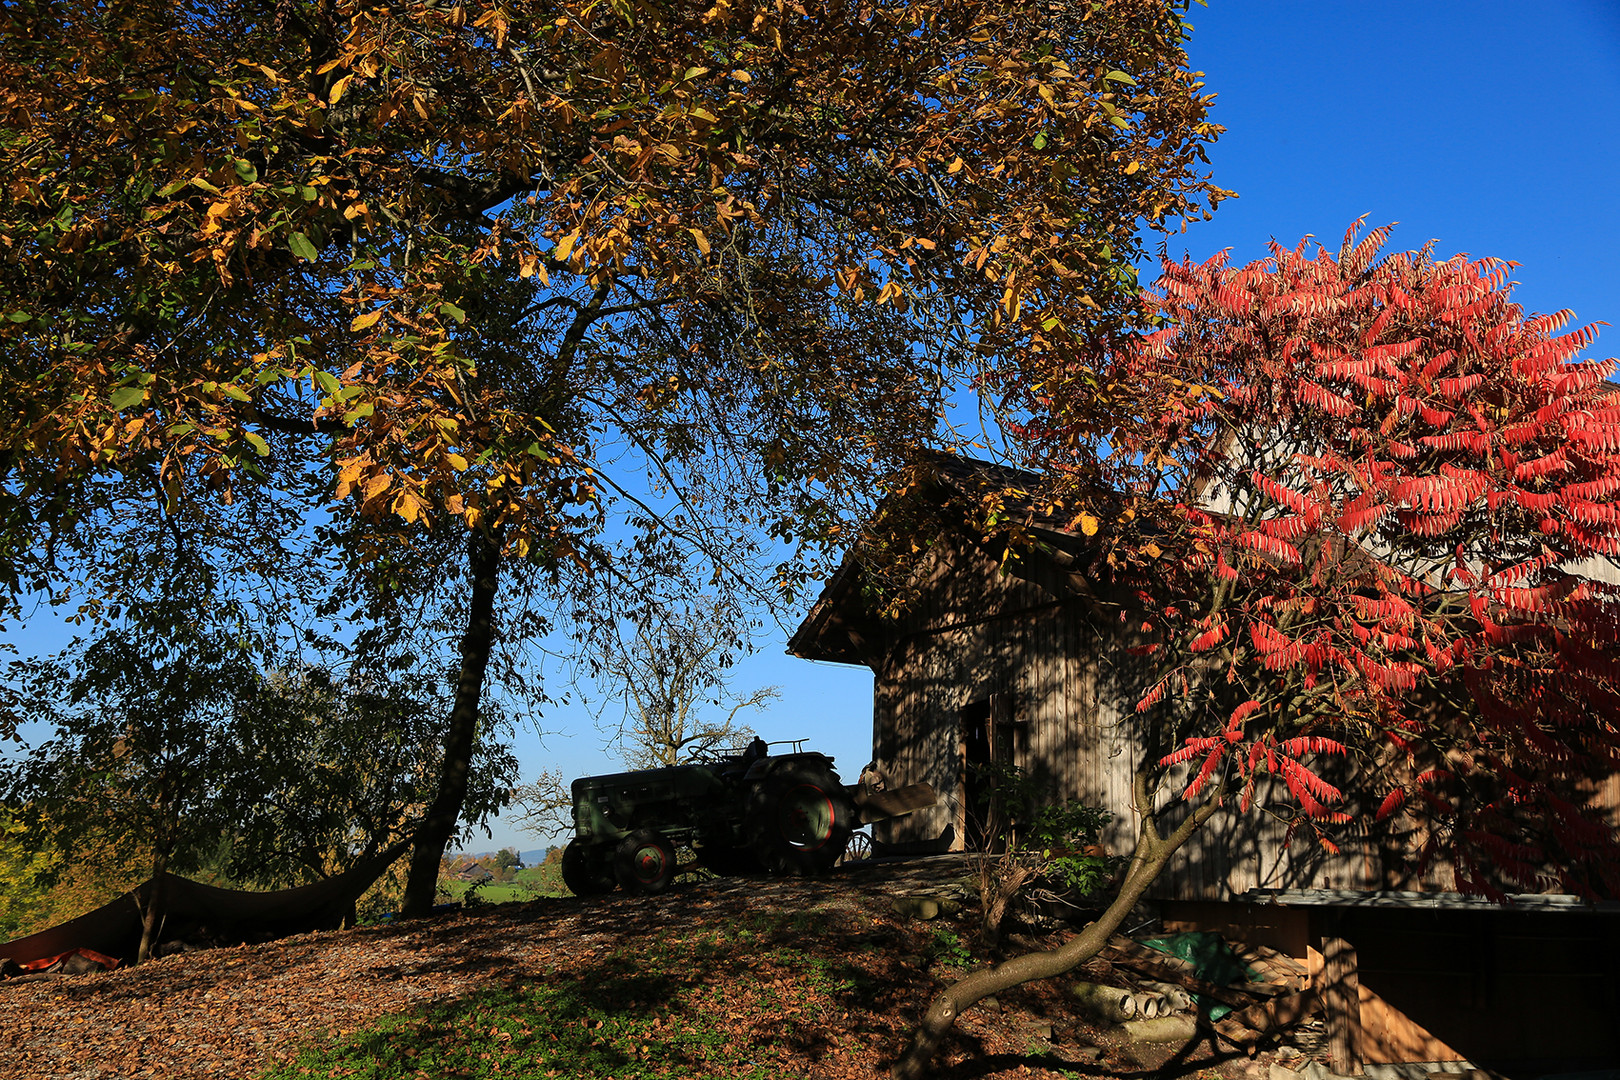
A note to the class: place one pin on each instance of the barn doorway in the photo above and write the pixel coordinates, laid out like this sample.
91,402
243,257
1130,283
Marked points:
986,739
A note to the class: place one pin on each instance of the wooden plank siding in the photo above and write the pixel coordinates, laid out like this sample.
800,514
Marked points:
977,633
1019,643
1021,636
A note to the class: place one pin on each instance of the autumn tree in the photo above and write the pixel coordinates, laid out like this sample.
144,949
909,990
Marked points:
478,280
545,805
1362,513
321,774
671,680
137,750
41,886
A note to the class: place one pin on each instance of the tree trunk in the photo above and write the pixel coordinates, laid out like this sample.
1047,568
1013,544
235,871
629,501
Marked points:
152,917
999,881
1152,854
439,823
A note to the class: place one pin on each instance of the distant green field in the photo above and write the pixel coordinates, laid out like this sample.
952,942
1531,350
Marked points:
530,883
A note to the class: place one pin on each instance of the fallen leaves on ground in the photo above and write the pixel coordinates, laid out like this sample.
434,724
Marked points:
819,978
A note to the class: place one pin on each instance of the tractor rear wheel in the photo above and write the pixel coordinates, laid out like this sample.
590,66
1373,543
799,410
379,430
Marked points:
583,872
644,863
799,820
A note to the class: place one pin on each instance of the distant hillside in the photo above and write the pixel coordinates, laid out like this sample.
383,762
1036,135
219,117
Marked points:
530,858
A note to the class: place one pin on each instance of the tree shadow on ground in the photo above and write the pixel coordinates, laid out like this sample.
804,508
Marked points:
989,1065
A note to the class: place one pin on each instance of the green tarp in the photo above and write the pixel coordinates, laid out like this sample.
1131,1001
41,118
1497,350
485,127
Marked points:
202,912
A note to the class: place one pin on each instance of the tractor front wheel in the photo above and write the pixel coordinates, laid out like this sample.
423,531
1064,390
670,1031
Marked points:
644,863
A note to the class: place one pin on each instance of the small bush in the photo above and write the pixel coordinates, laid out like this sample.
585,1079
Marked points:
1047,847
947,948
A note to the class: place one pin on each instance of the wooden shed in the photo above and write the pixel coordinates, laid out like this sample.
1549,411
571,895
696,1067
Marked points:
1005,658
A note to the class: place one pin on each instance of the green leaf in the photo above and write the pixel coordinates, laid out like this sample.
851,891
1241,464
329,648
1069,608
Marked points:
199,182
1040,141
359,412
1120,77
309,193
693,72
257,443
64,217
245,169
302,247
328,382
454,312
125,396
235,392
19,316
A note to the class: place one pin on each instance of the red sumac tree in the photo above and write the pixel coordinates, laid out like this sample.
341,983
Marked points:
1391,510
1359,506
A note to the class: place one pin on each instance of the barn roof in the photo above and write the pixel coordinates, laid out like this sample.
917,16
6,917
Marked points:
840,628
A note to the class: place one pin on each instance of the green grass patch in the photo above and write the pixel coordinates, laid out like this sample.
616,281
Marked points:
733,1003
529,883
533,1031
500,894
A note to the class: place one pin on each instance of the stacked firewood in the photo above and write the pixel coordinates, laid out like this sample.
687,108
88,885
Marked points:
1153,994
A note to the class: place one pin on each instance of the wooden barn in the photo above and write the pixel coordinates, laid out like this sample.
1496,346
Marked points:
1001,659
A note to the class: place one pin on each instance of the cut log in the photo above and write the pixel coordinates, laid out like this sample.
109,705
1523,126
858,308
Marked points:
1108,1003
1166,1029
1156,965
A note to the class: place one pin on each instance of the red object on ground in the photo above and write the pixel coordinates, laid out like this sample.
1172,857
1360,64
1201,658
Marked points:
108,962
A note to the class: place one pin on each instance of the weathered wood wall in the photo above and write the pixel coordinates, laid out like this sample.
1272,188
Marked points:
978,633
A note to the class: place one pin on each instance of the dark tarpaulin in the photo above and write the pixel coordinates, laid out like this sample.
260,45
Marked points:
193,911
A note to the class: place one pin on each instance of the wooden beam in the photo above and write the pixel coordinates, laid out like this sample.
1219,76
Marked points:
1278,1014
1341,999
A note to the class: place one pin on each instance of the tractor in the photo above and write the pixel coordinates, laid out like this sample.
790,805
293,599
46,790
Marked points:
740,812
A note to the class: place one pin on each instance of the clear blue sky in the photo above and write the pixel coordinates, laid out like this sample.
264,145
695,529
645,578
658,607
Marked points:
1491,127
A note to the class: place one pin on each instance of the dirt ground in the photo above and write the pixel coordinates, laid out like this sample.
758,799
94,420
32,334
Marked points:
233,1012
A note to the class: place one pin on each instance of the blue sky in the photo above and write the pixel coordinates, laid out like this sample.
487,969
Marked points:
1490,127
